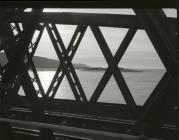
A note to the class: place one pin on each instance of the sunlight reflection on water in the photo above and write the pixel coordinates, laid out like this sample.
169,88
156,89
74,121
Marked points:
141,84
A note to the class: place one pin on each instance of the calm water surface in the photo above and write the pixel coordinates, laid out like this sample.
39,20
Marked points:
141,84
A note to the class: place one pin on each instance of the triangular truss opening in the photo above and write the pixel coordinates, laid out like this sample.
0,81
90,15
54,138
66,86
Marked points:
21,91
66,32
112,93
3,59
113,37
46,62
64,91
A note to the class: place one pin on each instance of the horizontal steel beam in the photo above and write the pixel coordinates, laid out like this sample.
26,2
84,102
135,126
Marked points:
91,4
73,131
109,20
121,125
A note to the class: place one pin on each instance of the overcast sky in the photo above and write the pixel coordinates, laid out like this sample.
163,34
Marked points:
140,53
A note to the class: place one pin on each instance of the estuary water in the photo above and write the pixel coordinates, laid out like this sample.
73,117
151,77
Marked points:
141,84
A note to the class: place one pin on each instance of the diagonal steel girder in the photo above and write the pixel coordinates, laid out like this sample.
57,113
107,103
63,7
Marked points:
65,56
113,68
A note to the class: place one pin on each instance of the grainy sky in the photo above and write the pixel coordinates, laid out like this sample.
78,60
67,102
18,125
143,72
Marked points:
140,54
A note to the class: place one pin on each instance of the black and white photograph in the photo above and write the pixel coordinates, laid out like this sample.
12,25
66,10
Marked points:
88,73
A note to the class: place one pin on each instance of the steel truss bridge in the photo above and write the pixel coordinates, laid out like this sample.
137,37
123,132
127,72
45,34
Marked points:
47,118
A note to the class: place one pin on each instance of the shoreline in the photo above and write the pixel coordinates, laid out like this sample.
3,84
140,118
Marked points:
98,69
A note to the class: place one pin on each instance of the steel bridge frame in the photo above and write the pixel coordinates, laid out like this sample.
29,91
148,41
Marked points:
20,50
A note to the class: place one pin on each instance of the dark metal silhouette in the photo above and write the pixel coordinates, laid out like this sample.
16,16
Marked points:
150,119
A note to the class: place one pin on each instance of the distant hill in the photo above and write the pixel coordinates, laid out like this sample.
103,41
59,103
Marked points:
43,63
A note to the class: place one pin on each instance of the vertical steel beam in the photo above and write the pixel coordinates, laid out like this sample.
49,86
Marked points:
29,55
162,37
17,62
5,129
